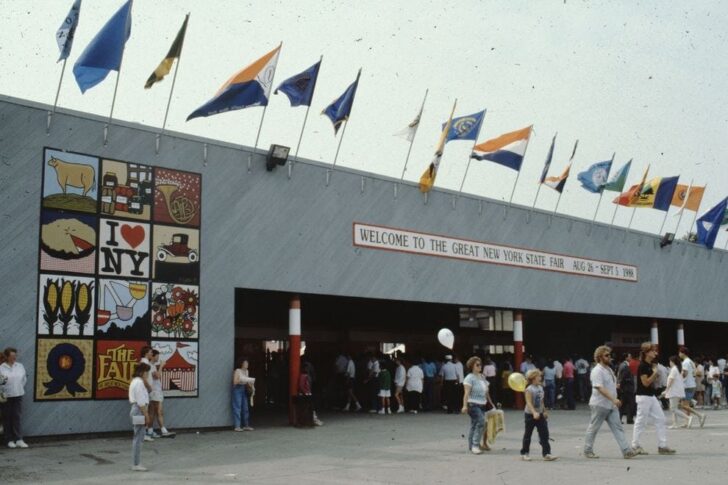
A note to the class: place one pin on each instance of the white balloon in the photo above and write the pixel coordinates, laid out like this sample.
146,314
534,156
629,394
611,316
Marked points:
446,337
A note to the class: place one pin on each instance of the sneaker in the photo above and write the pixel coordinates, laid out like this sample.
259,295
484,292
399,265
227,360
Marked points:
372,411
666,451
237,429
550,458
248,428
318,422
400,410
166,433
475,450
346,408
381,411
702,420
389,411
155,435
525,458
590,454
148,438
629,454
138,468
414,411
639,450
358,407
21,444
11,444
672,426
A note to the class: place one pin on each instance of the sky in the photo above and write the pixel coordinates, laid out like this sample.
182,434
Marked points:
640,79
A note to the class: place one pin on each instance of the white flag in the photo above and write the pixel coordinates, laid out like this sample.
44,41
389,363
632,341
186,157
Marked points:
409,132
65,33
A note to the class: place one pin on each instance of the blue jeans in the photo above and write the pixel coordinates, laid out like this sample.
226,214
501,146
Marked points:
550,391
598,416
241,412
477,424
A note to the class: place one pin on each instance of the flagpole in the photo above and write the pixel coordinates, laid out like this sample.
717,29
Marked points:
470,159
540,183
343,132
171,91
513,191
262,116
58,93
305,118
412,142
682,209
113,102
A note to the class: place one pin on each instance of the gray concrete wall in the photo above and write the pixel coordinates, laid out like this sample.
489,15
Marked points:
262,230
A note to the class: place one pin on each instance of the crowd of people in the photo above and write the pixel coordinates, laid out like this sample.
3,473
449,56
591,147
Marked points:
637,389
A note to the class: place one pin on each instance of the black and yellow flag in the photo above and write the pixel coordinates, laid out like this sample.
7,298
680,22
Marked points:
427,180
174,52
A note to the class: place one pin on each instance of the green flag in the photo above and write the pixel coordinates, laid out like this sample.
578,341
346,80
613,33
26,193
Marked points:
174,52
619,179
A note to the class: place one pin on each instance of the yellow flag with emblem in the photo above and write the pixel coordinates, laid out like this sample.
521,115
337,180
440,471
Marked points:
427,180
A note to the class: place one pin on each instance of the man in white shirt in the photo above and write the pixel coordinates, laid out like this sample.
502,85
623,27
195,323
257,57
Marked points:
13,379
449,375
372,382
688,373
604,404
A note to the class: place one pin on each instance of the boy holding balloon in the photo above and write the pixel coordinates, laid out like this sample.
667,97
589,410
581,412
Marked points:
535,417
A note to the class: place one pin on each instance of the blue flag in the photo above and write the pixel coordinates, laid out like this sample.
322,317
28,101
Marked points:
595,177
709,224
465,127
665,192
105,51
65,33
299,88
340,109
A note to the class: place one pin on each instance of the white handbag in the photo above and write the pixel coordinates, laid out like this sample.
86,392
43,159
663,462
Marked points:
138,420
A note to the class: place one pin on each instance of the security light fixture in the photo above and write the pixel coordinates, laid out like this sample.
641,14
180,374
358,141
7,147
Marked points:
667,239
277,155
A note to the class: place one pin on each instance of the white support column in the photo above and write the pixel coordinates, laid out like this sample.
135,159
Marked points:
680,335
654,334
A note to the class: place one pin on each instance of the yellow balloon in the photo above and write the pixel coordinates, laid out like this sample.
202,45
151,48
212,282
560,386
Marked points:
517,382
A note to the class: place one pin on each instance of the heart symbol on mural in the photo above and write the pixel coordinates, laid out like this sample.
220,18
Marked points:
133,235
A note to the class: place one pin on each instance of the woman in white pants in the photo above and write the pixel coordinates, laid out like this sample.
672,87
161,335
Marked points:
675,392
139,400
648,407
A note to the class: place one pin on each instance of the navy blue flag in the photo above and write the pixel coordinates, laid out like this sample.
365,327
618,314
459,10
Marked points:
595,177
665,192
547,165
105,51
299,88
709,224
340,109
465,127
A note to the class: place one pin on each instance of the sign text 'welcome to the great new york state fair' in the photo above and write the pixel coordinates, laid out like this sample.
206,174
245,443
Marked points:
379,237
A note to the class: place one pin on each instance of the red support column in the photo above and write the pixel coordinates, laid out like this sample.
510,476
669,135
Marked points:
655,335
294,353
518,351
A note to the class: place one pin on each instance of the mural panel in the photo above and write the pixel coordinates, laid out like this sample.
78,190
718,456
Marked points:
66,305
69,181
176,254
115,364
177,197
123,309
67,242
63,369
179,372
123,248
126,190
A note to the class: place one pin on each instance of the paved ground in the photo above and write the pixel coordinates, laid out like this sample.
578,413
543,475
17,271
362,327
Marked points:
362,448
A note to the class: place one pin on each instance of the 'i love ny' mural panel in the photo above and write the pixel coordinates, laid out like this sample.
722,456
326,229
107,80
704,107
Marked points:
118,271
